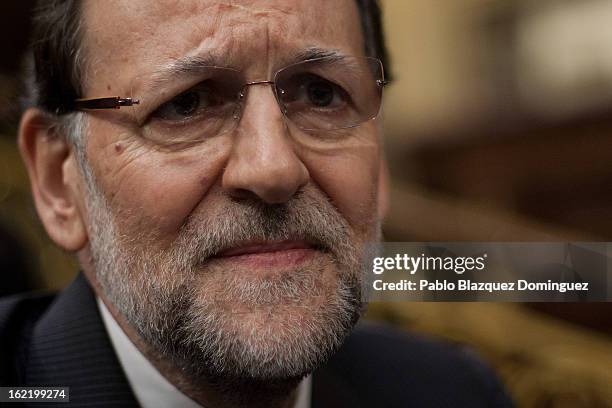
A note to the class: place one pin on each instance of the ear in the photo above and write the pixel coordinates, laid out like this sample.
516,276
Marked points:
54,178
383,188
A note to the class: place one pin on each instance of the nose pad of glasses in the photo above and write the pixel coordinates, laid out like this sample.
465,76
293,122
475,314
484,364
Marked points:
280,95
238,108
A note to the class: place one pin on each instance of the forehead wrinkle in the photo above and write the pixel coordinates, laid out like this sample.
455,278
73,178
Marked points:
268,47
192,65
246,31
258,12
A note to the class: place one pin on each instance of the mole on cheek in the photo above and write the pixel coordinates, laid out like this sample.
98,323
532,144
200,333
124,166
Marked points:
118,148
108,87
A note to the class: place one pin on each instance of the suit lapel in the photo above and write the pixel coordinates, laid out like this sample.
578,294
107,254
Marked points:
70,347
330,390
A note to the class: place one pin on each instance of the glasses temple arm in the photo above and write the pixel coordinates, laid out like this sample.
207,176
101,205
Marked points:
114,102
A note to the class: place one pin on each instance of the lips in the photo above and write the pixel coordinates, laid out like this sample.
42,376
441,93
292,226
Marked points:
253,248
269,255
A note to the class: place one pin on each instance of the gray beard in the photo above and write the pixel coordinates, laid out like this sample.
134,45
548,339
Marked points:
218,325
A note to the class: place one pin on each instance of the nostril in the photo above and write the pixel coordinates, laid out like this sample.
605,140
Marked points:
242,194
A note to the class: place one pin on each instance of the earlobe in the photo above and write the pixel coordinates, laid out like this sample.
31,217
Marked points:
54,179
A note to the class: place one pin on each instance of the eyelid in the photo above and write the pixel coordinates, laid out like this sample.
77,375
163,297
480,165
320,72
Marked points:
157,92
161,101
345,86
209,105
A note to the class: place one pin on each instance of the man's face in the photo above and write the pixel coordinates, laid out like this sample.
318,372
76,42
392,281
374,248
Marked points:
238,255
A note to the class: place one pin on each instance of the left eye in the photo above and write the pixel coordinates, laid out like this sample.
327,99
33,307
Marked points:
189,104
313,91
320,93
185,105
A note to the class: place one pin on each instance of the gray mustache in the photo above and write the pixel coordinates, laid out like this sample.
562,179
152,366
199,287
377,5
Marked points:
308,216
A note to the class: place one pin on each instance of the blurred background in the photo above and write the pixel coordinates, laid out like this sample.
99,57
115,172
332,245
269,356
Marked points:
498,128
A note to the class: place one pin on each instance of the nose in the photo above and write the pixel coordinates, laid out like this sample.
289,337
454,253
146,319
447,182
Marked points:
263,161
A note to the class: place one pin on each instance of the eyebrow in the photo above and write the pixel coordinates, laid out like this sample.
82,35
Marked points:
316,53
194,65
185,66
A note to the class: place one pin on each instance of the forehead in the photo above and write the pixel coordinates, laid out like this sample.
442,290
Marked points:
128,37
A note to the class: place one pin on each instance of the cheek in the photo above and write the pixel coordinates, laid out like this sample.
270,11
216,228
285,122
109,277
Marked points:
350,179
154,192
160,198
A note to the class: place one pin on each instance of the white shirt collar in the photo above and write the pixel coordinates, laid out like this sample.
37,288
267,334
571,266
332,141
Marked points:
150,387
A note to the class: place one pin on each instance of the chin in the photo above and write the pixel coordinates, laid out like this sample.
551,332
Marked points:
265,329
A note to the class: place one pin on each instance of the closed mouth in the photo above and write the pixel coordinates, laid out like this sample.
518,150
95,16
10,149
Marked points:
268,256
265,247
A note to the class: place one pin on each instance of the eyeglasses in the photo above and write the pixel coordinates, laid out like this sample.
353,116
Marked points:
323,94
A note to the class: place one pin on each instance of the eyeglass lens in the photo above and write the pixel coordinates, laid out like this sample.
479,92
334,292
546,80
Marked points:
322,94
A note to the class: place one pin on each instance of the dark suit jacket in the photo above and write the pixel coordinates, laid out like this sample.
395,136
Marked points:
61,341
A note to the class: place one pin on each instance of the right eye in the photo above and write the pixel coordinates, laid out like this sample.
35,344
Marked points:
200,100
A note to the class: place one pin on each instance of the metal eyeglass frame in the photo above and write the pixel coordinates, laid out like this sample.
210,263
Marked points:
117,102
